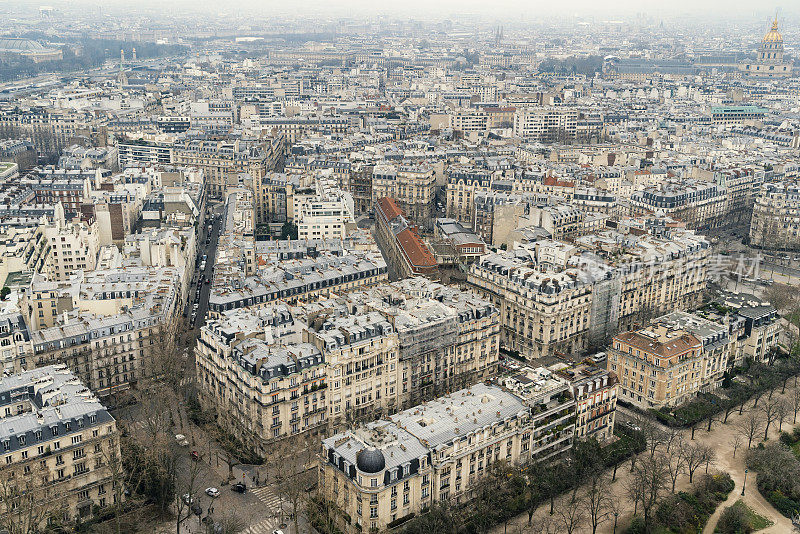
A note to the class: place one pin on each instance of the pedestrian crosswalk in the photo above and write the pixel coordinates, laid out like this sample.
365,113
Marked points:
266,495
265,526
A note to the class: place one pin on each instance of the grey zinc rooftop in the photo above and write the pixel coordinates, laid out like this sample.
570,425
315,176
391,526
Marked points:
463,412
415,432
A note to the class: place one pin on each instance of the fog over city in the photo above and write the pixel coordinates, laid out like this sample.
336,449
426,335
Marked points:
347,267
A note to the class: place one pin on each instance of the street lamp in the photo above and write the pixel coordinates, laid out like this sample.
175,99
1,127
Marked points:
616,515
744,484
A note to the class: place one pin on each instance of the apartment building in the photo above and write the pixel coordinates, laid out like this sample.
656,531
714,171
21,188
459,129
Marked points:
560,221
469,121
411,186
721,343
362,357
223,161
496,213
658,366
165,247
326,215
315,275
701,205
360,181
405,252
59,186
448,338
15,343
271,194
678,356
23,248
259,380
542,312
557,298
366,354
546,125
382,473
776,216
155,150
595,391
58,441
728,115
69,247
755,323
463,184
107,326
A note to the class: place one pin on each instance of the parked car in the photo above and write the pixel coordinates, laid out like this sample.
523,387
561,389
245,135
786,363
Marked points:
239,487
187,499
212,492
632,426
599,357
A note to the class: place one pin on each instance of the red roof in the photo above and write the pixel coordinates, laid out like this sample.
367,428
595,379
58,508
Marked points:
553,181
389,208
415,250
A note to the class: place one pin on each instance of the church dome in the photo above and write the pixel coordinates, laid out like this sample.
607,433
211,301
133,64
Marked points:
370,460
773,35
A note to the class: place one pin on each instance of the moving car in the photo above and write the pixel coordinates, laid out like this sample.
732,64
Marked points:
212,492
239,487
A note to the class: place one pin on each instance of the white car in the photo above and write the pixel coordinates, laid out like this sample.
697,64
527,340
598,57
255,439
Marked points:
277,532
187,499
179,437
212,492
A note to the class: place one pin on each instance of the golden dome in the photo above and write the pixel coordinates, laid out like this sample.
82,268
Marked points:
773,36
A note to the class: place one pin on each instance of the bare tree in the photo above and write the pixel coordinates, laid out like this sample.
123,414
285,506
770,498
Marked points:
229,523
693,457
647,484
674,461
709,455
795,403
543,524
293,480
570,512
185,493
25,501
735,442
783,412
598,501
770,411
749,426
654,435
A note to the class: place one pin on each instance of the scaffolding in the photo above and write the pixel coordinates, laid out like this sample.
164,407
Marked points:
604,317
429,334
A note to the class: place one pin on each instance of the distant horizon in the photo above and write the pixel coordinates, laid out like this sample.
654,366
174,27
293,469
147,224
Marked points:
499,10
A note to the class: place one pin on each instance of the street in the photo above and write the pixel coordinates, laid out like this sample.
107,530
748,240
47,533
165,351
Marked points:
198,280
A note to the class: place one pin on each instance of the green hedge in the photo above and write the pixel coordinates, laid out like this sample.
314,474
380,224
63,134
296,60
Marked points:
687,513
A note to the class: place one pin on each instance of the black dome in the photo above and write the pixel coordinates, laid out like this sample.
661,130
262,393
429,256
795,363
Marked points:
370,460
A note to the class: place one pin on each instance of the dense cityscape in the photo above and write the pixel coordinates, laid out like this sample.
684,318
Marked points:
325,269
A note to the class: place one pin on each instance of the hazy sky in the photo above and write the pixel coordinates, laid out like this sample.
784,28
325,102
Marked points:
494,9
